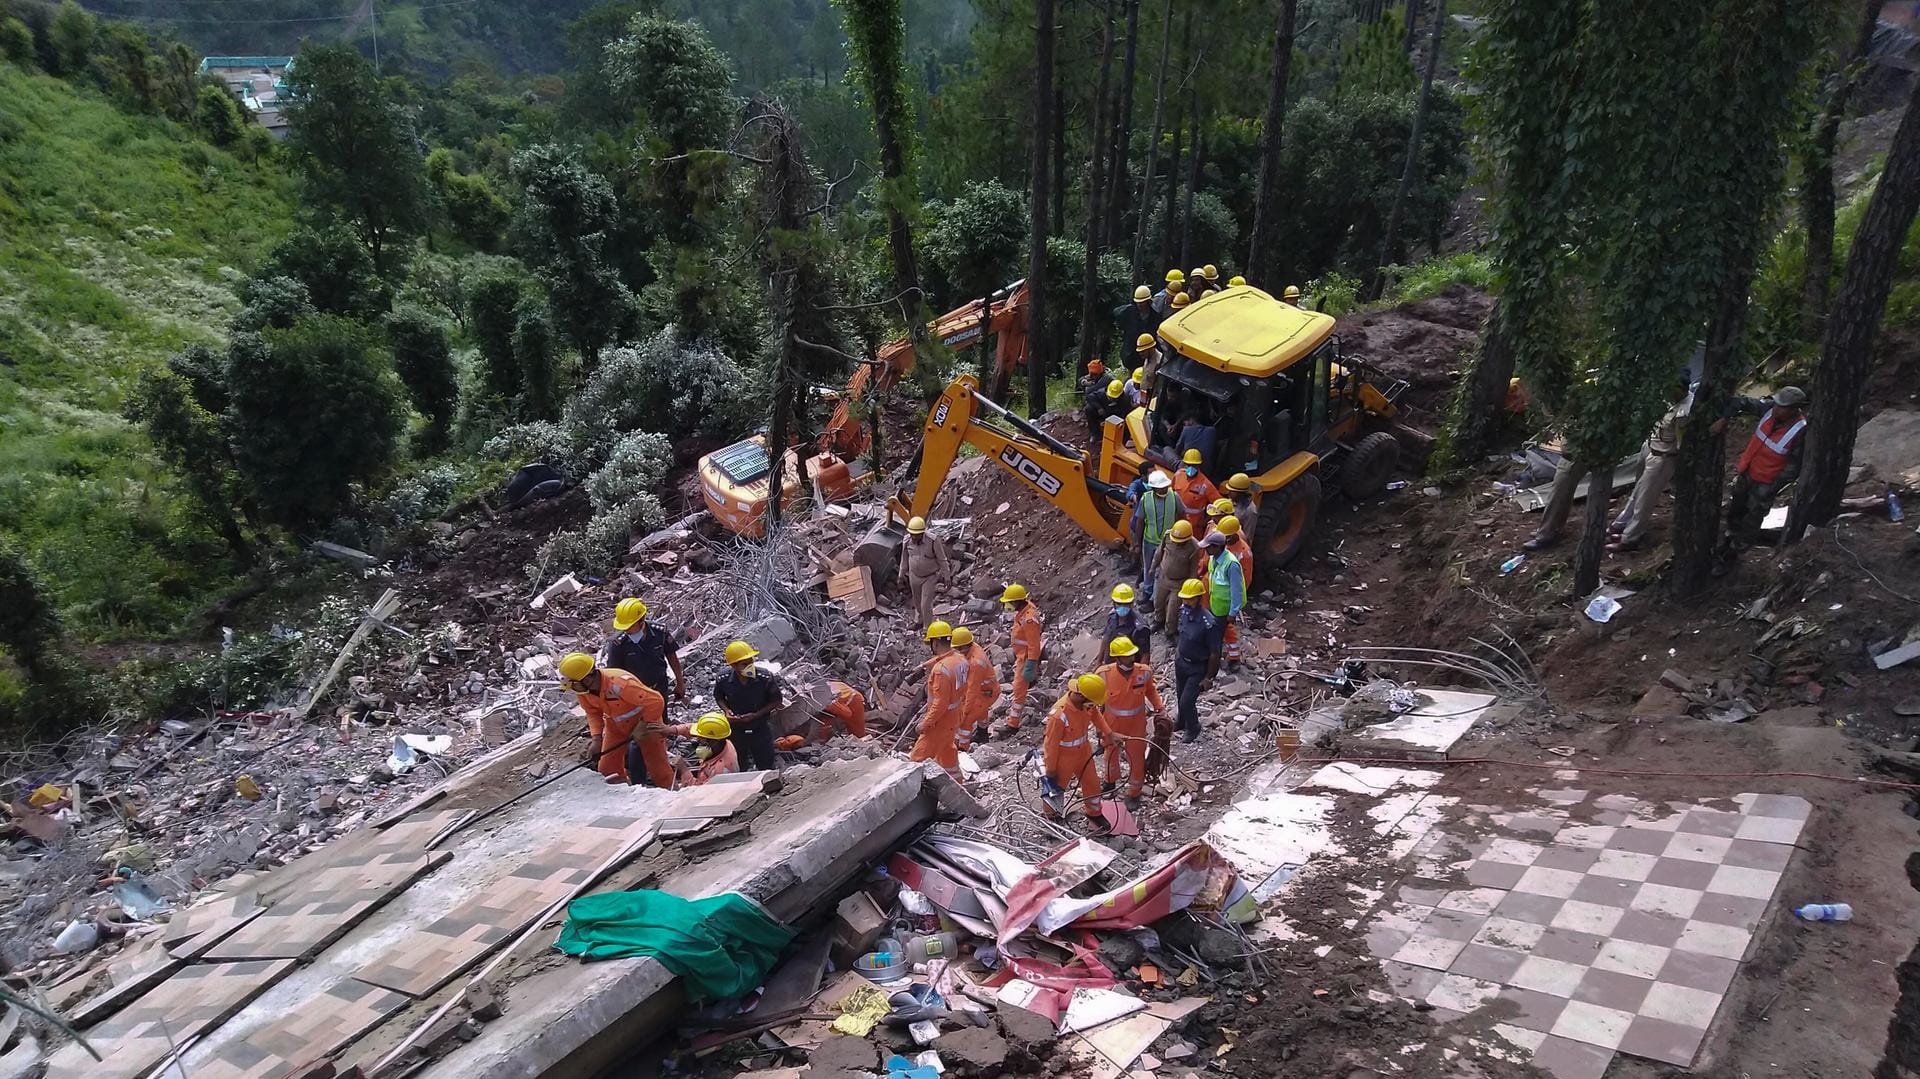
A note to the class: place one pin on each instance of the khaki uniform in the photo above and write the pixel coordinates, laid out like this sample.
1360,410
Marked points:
923,565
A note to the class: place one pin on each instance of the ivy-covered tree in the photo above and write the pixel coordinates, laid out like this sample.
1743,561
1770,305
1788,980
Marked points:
565,219
28,625
534,349
355,149
976,242
217,115
493,302
475,214
301,464
190,439
424,361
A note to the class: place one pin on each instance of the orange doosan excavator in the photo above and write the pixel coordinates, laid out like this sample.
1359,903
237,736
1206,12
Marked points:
734,479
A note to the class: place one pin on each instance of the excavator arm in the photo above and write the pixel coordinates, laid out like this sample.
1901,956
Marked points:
1054,470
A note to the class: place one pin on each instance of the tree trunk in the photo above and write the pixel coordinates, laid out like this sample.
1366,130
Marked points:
1480,404
1816,192
1039,352
1702,461
1090,299
1593,536
1059,203
1122,131
1834,414
1390,243
885,87
1169,220
1193,183
1145,203
1263,252
1410,24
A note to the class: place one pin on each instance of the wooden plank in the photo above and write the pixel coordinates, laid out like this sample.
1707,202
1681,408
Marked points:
382,609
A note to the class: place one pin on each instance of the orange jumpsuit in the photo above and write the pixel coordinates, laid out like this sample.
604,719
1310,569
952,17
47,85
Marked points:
721,763
1066,751
849,707
1230,637
946,702
1196,492
1129,695
983,688
1026,660
628,709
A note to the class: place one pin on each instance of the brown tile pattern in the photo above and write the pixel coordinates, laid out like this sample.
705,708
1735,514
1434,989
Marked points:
314,1029
1618,933
336,900
142,966
442,949
367,846
141,1035
197,929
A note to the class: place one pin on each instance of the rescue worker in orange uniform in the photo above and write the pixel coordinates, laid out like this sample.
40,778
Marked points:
620,708
982,689
1068,748
1130,693
1026,650
848,708
1770,461
1195,490
713,750
946,702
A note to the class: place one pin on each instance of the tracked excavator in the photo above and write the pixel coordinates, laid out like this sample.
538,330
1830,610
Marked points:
1286,406
734,479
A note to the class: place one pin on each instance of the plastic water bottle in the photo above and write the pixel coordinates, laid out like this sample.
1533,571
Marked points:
1894,512
1825,912
1511,564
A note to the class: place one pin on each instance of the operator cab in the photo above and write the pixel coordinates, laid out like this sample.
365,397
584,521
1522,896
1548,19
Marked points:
1257,421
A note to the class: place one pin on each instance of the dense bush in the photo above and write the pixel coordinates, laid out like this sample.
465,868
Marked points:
424,361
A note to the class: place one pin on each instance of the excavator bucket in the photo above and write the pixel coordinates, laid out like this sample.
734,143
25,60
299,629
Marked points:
879,551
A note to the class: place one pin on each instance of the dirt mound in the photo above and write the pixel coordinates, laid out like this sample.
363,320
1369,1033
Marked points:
1427,342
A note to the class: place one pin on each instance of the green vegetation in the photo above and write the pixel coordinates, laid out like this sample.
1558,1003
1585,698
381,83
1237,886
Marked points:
121,236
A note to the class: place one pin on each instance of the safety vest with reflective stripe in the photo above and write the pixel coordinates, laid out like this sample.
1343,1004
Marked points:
1225,584
1766,454
1158,510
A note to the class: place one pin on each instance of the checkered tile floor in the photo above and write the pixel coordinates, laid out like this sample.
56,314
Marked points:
1591,926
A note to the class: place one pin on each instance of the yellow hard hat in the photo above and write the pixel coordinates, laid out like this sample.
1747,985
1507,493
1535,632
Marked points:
1144,343
916,526
1013,593
1239,481
962,636
712,725
1292,293
1122,647
1236,281
1211,272
1182,529
576,665
1191,457
1142,292
1181,301
1230,525
938,630
740,650
1123,593
1139,375
1115,389
1175,277
627,612
1219,507
1192,588
1092,687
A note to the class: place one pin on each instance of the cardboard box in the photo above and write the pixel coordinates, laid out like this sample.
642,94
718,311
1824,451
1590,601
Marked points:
858,924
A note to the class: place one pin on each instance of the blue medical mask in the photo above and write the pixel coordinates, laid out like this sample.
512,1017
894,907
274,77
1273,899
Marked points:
1121,608
1192,469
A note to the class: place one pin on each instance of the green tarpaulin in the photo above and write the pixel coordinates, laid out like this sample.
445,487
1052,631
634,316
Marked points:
720,947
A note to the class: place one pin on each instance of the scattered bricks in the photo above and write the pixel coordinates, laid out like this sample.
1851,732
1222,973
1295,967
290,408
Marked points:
483,1002
844,1053
1676,681
1023,1028
857,925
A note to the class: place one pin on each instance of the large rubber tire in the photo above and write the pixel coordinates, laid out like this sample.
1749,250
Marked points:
1287,518
1369,465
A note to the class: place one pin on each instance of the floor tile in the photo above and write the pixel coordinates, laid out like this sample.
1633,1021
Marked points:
1382,943
1770,829
1680,873
194,999
1402,916
1789,806
1698,848
1494,874
1452,924
1667,900
1429,951
1751,883
1409,981
1611,989
1520,1037
1593,1024
1512,851
1654,822
1716,822
1528,907
1726,941
1626,802
1632,957
313,1030
1645,927
1503,932
1553,976
1606,891
1584,836
1558,883
1587,917
299,925
1731,910
1624,864
1527,1008
1573,859
1639,840
1697,970
1484,961
1659,1039
1753,854
1568,945
1473,900
1564,1058
1679,1004
1461,993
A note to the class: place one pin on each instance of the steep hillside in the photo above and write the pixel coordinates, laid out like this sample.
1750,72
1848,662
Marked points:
119,239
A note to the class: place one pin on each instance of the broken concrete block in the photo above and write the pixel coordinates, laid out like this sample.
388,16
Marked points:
565,586
1676,681
857,925
340,553
1893,657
